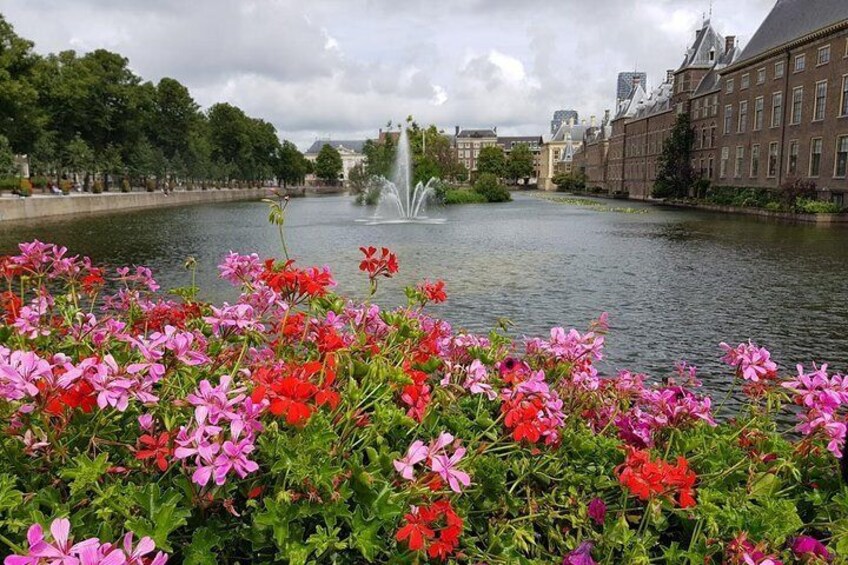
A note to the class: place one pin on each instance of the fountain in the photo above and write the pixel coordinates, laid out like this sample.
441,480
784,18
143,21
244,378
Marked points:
400,202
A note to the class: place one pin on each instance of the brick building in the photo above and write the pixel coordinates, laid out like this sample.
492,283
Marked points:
774,111
592,160
469,142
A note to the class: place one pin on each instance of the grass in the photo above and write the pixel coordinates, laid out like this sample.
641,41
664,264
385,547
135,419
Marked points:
592,204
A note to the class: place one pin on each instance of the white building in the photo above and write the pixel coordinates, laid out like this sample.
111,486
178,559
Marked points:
350,151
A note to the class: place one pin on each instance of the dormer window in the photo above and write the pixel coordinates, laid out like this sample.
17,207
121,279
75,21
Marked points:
712,55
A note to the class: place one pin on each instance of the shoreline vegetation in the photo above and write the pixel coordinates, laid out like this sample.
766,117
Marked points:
296,424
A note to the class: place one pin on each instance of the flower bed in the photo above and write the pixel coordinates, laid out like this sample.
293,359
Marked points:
296,426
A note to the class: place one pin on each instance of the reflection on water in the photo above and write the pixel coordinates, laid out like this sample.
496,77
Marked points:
675,283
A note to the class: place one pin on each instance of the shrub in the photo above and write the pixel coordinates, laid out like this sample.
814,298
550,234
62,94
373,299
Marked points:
294,425
125,185
464,196
39,182
794,188
66,185
10,184
97,187
807,206
570,182
25,187
150,185
491,188
701,188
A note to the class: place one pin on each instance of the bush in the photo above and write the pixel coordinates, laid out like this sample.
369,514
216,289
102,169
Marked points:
150,185
298,426
794,188
701,188
740,197
11,184
25,188
807,206
370,194
125,185
570,182
464,196
66,185
97,187
39,182
491,188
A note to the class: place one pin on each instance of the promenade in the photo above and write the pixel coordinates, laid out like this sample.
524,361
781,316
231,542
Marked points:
15,208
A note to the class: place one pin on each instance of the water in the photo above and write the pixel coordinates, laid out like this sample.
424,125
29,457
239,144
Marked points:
676,283
400,202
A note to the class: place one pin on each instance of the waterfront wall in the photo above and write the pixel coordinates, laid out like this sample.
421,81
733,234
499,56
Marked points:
821,219
35,207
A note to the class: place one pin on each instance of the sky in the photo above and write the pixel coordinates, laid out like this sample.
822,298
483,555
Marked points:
341,69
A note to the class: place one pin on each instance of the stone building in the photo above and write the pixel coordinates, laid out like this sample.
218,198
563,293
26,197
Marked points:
557,155
562,117
592,159
784,102
350,151
469,142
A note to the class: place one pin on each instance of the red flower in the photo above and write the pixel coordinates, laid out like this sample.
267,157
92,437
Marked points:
647,478
93,280
433,292
297,284
417,531
385,265
422,530
155,448
11,304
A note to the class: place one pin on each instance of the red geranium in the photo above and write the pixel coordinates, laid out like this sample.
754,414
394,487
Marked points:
434,529
386,264
433,292
155,448
647,478
11,304
297,284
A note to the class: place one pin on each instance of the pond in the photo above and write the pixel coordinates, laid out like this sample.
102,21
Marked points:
675,283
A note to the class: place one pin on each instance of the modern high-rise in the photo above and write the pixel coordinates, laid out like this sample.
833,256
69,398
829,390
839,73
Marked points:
563,117
627,81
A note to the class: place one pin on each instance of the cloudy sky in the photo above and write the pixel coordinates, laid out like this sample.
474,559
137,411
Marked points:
343,68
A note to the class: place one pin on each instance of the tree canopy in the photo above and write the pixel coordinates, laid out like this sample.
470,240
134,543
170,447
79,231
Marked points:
492,160
328,164
520,162
675,175
91,113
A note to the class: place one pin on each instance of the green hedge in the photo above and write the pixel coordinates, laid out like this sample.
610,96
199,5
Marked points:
462,196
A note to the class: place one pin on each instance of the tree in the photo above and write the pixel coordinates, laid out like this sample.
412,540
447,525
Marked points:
379,156
290,164
675,175
7,158
491,160
174,116
78,156
328,164
520,164
358,179
491,188
21,116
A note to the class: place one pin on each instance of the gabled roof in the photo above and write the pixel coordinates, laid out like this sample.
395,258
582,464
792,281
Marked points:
569,131
711,81
476,133
707,41
627,107
658,101
791,20
354,145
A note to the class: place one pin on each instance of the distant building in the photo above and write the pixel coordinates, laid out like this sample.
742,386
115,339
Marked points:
558,153
351,152
627,81
562,117
592,159
469,142
534,144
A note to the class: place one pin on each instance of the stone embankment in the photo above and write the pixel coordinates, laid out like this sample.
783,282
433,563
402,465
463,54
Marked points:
13,208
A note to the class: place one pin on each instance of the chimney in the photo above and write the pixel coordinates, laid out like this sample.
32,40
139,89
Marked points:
570,121
606,116
457,131
496,130
637,80
729,43
592,121
669,75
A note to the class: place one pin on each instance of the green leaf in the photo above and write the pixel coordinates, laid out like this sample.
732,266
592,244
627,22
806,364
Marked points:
10,498
162,514
86,472
199,552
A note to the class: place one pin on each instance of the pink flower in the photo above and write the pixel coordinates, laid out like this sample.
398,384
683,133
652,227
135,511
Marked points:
416,453
233,457
580,556
806,546
597,511
240,269
477,380
145,422
753,363
445,467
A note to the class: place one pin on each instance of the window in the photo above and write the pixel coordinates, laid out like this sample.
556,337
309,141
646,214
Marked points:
740,159
745,82
841,156
696,110
725,155
712,135
772,159
844,104
755,161
797,104
728,118
815,157
704,133
779,69
792,165
823,56
759,104
710,167
761,75
821,101
776,109
800,63
742,124
730,85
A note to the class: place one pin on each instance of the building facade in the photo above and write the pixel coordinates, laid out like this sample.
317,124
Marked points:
771,113
557,155
592,159
350,151
468,144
